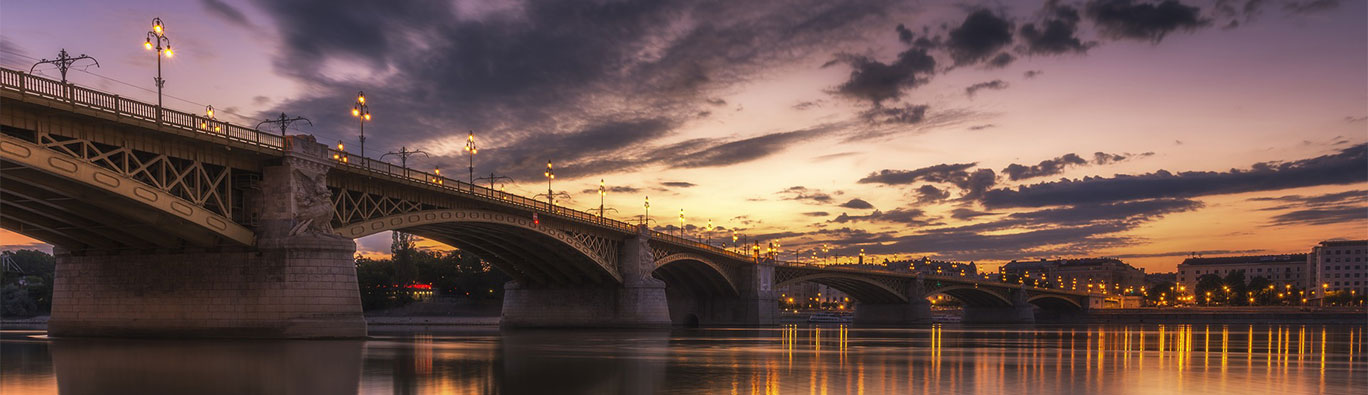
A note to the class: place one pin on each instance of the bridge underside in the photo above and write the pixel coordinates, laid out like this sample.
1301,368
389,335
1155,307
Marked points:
531,258
81,218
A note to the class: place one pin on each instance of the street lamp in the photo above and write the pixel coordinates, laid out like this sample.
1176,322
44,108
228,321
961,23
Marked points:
550,174
681,223
708,235
284,124
209,119
603,191
646,220
64,62
470,147
362,113
155,39
403,155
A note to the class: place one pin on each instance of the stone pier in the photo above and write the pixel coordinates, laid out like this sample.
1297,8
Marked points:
298,281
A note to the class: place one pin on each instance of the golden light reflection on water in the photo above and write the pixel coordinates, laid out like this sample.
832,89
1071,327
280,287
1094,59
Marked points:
789,359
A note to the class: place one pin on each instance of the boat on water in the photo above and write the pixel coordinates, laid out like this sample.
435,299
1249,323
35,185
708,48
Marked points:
830,318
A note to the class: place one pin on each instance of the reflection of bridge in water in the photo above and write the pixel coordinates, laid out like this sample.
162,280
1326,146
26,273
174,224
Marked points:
172,223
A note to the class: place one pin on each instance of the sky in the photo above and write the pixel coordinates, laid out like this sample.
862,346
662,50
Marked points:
968,131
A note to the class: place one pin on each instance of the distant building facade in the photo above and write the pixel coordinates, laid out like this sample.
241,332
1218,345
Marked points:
1281,270
1339,266
928,266
1112,273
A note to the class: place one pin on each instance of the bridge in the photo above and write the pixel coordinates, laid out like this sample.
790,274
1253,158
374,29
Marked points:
171,223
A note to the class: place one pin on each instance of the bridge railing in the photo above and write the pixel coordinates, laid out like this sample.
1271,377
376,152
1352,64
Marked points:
432,179
200,126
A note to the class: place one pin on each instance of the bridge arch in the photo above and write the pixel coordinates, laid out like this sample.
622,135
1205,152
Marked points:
119,199
527,251
973,296
862,288
1055,302
700,275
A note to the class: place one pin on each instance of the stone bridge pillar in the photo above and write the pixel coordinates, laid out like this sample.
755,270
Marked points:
1020,312
916,311
299,281
639,302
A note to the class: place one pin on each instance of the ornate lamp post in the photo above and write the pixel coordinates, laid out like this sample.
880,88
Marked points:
209,119
470,147
404,153
284,123
362,113
646,220
155,38
550,175
681,223
492,178
64,61
603,191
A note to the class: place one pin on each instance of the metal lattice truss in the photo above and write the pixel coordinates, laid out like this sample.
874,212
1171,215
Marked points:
208,186
354,206
604,248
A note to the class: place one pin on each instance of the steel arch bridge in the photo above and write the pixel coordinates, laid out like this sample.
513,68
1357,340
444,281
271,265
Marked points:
100,175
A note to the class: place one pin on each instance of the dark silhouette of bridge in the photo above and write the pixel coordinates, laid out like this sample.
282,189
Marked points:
167,222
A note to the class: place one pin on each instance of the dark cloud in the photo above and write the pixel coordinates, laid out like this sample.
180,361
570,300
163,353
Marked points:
1102,158
743,150
878,82
1029,74
1309,6
993,85
1055,166
816,213
966,214
528,77
1056,34
678,184
1329,208
936,173
913,217
857,204
1001,60
1323,216
806,105
225,11
1344,167
930,194
802,193
1353,119
908,114
983,126
1127,19
904,34
1143,210
972,184
1045,168
980,35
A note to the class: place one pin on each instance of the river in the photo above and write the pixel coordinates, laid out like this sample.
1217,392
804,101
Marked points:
794,359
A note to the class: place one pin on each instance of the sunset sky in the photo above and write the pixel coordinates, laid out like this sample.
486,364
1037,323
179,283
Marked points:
970,131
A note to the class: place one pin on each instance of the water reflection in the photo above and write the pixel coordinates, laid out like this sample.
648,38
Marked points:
788,359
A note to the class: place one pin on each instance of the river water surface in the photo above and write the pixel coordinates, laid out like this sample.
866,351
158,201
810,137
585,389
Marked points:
1177,359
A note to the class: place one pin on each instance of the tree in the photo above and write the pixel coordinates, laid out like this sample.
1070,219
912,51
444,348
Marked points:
1153,294
28,291
1236,281
1208,284
1259,287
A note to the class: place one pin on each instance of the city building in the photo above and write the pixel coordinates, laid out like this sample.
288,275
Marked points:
1338,266
1080,273
927,266
1281,270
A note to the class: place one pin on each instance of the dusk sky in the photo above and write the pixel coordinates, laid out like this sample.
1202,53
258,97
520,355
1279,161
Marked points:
970,131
